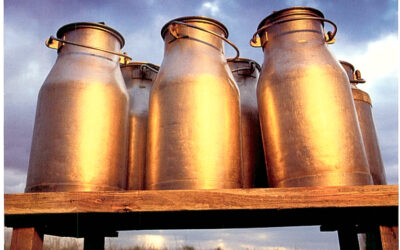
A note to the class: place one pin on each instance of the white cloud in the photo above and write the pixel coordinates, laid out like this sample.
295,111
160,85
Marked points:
379,60
151,240
308,3
14,180
209,9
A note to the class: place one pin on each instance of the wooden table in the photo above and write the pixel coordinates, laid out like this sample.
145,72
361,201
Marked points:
94,215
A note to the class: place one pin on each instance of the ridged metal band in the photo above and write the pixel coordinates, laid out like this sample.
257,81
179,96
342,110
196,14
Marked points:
290,11
361,96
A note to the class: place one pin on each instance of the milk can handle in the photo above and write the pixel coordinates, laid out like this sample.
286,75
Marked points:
252,68
329,37
55,43
143,66
174,34
358,78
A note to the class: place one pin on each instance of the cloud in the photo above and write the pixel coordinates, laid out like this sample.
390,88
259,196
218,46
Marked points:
377,60
209,9
14,181
308,3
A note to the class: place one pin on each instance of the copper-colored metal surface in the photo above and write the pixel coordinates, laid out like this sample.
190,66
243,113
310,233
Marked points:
139,78
194,116
308,120
80,134
364,112
246,73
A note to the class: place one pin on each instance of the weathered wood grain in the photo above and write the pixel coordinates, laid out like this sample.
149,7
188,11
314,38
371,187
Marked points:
390,237
201,200
26,239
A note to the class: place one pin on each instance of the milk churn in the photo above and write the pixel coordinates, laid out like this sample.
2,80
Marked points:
80,134
246,73
363,105
139,77
310,130
194,114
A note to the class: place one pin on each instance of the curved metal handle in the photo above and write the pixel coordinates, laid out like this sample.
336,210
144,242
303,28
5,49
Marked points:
329,37
357,76
175,34
252,68
148,67
56,43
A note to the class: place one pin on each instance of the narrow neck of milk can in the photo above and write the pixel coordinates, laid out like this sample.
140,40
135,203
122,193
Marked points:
194,33
95,35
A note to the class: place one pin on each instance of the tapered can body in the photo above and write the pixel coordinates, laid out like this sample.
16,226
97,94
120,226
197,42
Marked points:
246,73
363,106
139,78
310,130
194,116
81,125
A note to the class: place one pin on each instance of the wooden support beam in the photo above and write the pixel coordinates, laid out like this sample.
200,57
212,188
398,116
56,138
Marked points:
83,214
26,239
390,237
201,200
348,239
93,242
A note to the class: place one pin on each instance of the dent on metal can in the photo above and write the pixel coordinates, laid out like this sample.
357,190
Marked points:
80,133
194,116
310,130
246,73
363,105
139,78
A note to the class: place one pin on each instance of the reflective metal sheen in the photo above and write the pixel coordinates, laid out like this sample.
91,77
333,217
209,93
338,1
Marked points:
194,117
310,130
139,78
246,73
368,131
80,134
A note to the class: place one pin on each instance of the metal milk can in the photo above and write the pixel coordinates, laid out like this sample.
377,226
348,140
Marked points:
246,73
194,114
310,130
139,77
363,105
80,134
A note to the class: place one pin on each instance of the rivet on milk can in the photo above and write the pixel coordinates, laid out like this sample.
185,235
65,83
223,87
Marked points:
310,130
139,78
194,114
363,105
246,73
80,134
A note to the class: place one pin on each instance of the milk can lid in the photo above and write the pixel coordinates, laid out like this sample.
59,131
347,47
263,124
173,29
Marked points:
131,64
299,10
242,59
100,26
344,63
198,19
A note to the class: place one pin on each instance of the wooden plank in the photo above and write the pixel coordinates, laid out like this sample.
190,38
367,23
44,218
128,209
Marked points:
390,237
201,200
26,239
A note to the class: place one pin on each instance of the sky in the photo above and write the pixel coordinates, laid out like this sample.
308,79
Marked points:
367,38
